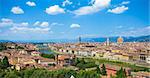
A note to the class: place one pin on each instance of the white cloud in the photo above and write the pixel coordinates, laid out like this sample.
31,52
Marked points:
125,2
89,35
55,23
17,10
41,24
96,6
118,10
54,10
44,24
147,28
74,26
29,3
37,23
119,27
6,22
20,24
24,24
101,3
27,29
85,10
66,2
136,32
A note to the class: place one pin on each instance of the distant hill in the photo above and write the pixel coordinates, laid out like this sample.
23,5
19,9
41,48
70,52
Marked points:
4,41
139,39
114,39
98,39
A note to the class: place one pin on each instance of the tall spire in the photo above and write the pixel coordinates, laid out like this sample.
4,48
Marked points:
79,39
107,41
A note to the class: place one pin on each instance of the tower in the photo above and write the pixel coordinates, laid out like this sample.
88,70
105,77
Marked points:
120,40
107,42
79,39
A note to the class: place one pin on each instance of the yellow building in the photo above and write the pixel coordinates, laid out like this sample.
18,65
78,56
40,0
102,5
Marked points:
115,51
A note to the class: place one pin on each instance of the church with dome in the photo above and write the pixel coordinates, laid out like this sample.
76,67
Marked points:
120,40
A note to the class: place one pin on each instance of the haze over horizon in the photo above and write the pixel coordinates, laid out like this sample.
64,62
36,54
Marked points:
68,19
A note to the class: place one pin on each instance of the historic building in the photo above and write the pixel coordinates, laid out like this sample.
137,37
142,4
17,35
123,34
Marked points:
120,40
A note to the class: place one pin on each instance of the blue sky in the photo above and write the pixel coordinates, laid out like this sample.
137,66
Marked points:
59,19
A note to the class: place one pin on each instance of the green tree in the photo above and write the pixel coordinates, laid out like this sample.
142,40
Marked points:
19,47
12,74
87,74
98,70
125,73
82,61
104,72
111,76
5,63
76,61
2,47
50,56
82,64
121,73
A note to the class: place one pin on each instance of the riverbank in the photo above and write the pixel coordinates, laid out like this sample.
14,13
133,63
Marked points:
56,52
49,51
133,66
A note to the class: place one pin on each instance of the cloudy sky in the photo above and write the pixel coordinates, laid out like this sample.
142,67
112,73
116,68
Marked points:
59,19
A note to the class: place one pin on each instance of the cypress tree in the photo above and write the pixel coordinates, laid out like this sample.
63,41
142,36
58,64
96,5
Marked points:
104,72
98,70
121,73
5,62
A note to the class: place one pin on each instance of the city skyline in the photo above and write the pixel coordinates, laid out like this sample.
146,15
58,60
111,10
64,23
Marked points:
59,19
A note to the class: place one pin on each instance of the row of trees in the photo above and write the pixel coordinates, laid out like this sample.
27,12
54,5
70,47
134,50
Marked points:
42,73
6,72
121,73
134,67
64,73
82,64
101,70
50,56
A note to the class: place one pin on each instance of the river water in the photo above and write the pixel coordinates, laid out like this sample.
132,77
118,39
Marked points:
44,49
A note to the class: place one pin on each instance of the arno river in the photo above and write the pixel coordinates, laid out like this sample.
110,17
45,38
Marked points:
44,49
